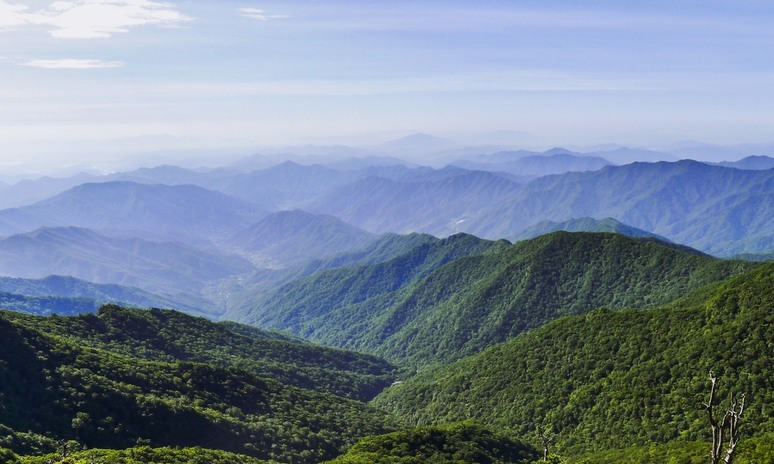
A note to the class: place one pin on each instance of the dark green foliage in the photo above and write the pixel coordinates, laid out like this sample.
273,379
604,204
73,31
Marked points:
170,336
109,397
8,457
409,311
607,380
144,455
465,442
751,450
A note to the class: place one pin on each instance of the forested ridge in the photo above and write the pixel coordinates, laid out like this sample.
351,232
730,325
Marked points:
615,379
606,342
416,311
106,393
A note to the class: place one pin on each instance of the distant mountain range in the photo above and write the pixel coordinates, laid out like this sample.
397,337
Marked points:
511,295
76,295
751,162
273,221
717,210
585,225
290,237
556,161
379,205
184,213
170,269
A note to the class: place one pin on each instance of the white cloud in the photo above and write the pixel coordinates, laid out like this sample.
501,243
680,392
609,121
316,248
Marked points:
88,19
259,14
73,64
11,16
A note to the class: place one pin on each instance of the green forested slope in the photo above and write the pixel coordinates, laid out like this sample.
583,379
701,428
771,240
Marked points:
59,387
465,442
306,298
243,293
169,336
477,300
139,455
608,380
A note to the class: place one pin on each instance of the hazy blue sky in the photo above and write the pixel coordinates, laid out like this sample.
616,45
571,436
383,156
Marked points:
296,71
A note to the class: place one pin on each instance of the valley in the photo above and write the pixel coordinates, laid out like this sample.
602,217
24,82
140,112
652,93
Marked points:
353,312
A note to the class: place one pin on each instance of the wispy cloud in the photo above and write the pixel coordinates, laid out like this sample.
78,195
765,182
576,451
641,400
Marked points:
89,19
73,64
259,14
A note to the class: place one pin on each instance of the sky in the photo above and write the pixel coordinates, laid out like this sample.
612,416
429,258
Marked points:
110,77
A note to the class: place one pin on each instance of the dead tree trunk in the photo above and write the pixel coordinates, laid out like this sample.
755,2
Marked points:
728,423
545,438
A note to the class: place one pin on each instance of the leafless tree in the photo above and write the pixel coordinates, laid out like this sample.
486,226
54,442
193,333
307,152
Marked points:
728,423
546,438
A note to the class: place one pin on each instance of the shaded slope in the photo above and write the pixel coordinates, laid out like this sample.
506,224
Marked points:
57,386
285,185
169,336
615,379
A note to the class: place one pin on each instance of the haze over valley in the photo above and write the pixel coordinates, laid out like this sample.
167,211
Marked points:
415,232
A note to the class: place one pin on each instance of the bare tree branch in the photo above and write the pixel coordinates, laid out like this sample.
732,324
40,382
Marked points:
730,421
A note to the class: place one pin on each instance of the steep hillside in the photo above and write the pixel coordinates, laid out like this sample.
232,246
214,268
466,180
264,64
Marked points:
173,270
290,237
169,336
474,301
295,304
613,379
74,379
243,293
